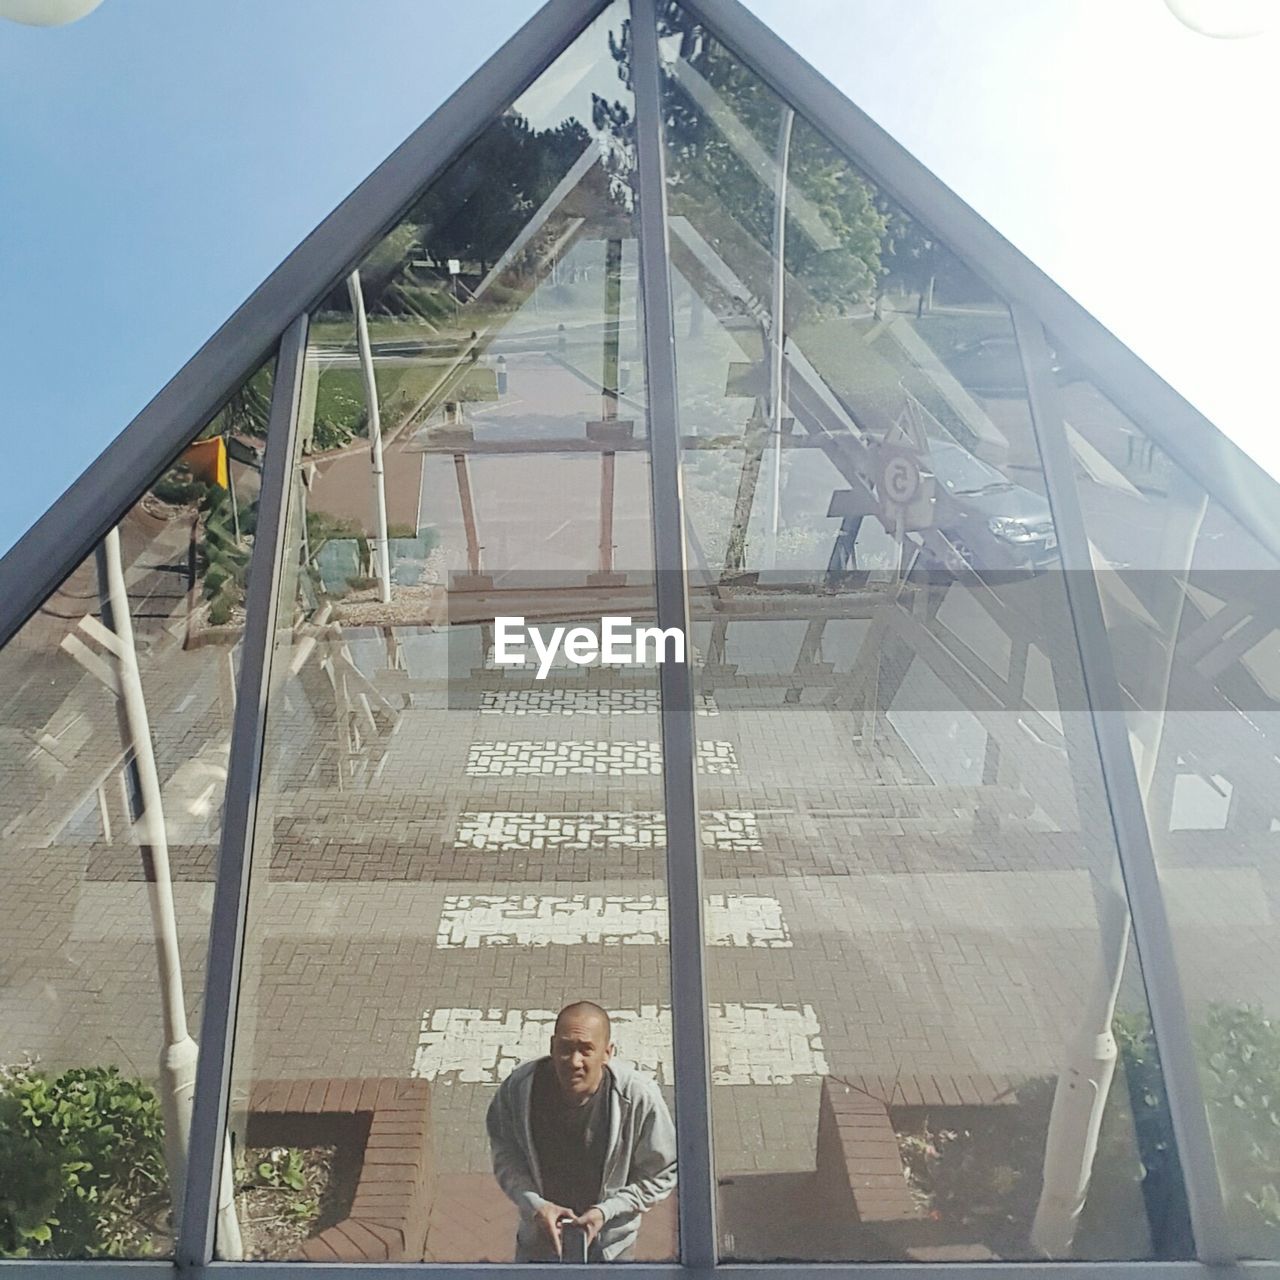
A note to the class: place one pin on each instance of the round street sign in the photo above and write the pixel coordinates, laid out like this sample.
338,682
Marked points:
899,476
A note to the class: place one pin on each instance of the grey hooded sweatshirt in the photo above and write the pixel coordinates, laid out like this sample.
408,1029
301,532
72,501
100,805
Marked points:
639,1164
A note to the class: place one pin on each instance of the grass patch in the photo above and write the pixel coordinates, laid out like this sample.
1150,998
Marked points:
874,377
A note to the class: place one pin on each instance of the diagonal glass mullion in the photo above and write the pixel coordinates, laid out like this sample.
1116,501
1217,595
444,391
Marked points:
679,778
200,1201
1150,922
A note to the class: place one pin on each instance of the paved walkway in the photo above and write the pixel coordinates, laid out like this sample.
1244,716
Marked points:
430,885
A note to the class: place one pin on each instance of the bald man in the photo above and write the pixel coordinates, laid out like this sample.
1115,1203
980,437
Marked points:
580,1136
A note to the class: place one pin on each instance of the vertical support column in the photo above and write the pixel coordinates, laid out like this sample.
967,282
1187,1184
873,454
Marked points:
777,326
196,1237
612,328
679,781
607,462
467,503
383,550
609,393
1150,922
755,439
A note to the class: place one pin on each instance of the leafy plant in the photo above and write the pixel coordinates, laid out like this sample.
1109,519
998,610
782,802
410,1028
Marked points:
223,558
179,487
226,559
1238,1051
300,1209
82,1170
283,1174
991,1177
282,1168
31,1183
220,612
1239,1054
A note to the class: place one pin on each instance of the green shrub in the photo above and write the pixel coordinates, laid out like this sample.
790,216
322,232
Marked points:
1239,1056
179,487
214,579
220,611
225,561
1238,1052
31,1184
82,1170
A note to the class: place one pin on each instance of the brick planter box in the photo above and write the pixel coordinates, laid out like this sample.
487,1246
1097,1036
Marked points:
859,1165
388,1125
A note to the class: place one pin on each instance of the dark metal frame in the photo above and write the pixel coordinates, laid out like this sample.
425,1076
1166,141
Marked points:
691,1053
69,531
1152,935
195,1243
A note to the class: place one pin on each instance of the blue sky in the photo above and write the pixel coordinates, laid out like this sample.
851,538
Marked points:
160,158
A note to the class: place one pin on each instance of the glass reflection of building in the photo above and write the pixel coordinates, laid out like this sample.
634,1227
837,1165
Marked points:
935,894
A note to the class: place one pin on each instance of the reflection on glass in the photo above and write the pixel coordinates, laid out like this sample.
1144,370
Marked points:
1190,605
116,705
913,852
449,850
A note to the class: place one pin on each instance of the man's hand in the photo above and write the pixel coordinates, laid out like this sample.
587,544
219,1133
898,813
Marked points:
548,1220
592,1222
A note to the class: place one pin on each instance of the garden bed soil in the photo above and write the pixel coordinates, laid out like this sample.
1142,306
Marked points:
276,1221
977,1172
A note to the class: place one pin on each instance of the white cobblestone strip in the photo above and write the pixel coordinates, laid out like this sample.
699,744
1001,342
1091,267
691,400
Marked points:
750,1043
497,831
729,830
560,759
528,920
582,702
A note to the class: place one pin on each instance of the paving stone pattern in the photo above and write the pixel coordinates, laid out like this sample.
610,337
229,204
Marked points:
728,830
542,920
751,1044
578,702
941,915
560,759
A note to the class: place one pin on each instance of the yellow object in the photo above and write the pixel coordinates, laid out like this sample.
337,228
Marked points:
207,460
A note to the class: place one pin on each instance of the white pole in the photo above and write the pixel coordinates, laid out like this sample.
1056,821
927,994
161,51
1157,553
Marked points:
776,326
375,434
178,1058
1080,1097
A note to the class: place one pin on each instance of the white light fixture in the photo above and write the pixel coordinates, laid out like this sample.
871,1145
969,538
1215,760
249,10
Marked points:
1224,19
46,13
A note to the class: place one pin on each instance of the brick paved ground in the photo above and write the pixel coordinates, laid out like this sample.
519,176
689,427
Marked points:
939,899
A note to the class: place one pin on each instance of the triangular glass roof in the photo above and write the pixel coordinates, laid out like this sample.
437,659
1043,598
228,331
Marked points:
648,320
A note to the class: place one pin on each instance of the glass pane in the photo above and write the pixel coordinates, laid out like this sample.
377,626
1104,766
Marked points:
1190,604
116,704
912,855
450,850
